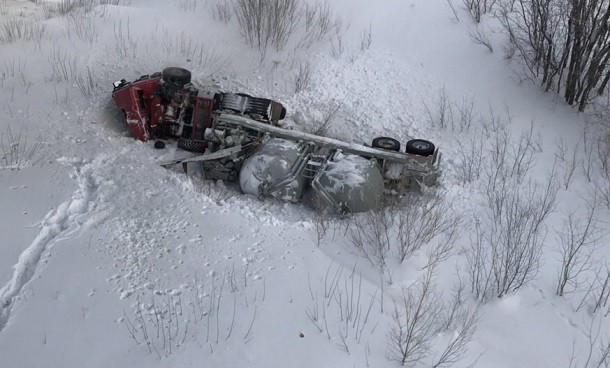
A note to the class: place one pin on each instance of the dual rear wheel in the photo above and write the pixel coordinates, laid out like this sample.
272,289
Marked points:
419,147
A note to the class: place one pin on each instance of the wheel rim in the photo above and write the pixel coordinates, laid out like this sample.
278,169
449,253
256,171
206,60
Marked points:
421,145
385,143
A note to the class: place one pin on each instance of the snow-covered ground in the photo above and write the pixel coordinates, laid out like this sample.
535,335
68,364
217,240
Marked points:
108,259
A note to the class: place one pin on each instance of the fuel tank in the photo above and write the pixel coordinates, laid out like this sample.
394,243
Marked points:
275,170
348,184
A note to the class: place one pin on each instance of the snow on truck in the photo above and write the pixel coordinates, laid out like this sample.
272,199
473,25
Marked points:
240,139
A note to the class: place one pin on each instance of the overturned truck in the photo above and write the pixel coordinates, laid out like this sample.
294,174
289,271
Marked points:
239,139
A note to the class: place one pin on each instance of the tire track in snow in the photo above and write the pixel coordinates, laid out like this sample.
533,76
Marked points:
67,218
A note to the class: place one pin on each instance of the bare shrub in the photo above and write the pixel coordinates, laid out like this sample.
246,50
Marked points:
601,294
62,65
64,68
84,27
222,11
442,248
366,38
86,83
456,18
329,114
505,249
478,8
603,153
266,23
442,116
478,264
569,160
576,243
518,235
415,316
302,79
204,55
212,312
419,317
466,113
602,183
602,189
597,296
404,228
337,48
18,151
460,336
14,67
321,224
124,45
318,23
480,38
420,220
63,7
505,255
341,311
187,5
588,161
561,45
450,114
508,159
158,324
470,159
597,353
269,24
15,29
3,7
372,235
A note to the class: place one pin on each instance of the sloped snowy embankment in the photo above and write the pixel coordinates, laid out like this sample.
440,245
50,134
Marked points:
137,265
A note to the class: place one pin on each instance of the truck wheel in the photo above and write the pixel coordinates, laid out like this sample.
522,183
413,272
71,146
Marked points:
177,76
386,143
192,145
420,147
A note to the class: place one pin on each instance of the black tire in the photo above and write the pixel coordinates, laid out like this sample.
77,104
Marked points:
420,147
159,144
386,143
176,76
192,145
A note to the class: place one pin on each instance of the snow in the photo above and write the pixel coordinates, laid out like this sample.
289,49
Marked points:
98,241
348,169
